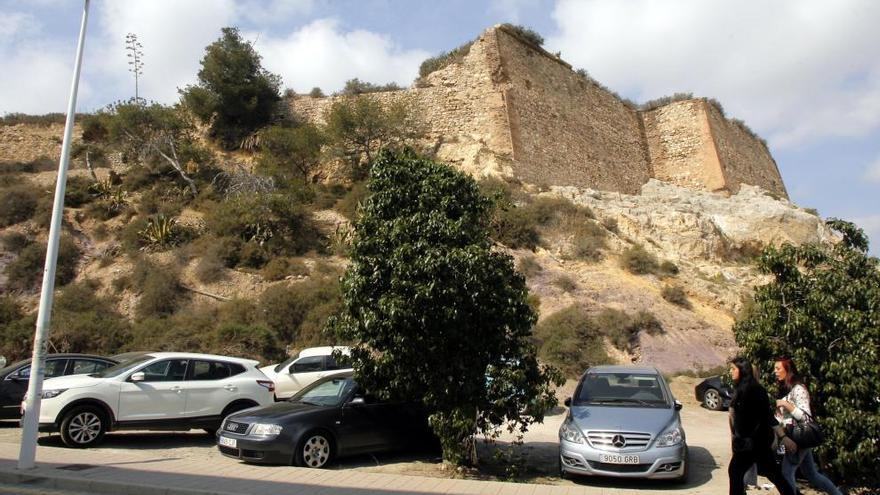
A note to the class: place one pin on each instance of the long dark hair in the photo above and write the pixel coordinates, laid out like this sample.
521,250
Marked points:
746,379
792,377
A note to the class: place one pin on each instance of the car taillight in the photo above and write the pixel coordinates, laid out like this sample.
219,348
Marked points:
270,386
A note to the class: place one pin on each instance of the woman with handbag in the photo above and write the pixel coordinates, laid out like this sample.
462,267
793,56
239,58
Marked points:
750,427
793,410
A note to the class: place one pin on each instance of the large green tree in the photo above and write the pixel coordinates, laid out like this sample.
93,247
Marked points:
235,94
435,313
822,308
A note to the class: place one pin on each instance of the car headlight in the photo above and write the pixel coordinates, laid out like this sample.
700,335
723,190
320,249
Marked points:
670,437
266,430
51,394
570,433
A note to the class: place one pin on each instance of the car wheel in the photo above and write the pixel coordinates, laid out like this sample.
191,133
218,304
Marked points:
315,450
712,400
83,427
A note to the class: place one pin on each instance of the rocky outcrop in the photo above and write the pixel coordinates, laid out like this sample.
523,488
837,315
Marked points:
684,224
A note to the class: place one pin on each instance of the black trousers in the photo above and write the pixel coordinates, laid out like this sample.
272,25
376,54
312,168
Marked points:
742,461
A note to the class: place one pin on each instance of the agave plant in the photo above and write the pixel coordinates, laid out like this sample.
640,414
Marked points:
160,232
102,188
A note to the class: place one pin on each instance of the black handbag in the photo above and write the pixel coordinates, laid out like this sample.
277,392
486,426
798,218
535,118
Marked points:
806,434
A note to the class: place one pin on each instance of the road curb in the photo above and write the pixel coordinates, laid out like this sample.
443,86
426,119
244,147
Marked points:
38,477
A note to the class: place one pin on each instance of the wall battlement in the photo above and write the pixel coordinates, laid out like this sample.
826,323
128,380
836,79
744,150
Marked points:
510,108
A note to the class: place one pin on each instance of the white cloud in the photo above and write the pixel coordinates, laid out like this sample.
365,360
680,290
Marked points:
872,172
273,11
322,54
871,225
795,70
13,24
173,45
510,10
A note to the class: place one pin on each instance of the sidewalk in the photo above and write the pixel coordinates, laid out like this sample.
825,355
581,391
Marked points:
145,474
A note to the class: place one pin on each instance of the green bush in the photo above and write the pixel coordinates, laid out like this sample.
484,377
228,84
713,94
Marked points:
348,205
279,268
210,268
569,340
354,87
41,120
17,337
565,283
14,242
17,204
298,312
78,192
610,224
528,266
527,34
160,290
515,228
42,164
235,95
25,272
84,322
253,341
622,328
638,261
668,268
316,93
588,241
454,56
675,295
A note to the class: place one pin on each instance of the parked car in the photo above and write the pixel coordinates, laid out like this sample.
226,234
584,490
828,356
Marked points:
14,379
714,393
331,418
302,370
156,391
624,422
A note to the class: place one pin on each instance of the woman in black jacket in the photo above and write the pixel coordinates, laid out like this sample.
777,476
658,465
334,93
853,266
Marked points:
750,427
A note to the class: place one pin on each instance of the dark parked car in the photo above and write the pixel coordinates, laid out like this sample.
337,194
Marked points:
714,393
14,378
330,418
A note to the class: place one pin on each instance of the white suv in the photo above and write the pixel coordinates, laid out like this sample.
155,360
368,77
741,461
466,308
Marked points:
160,390
302,370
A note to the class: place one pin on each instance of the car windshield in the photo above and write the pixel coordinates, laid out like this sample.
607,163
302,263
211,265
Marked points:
628,389
326,393
122,368
285,363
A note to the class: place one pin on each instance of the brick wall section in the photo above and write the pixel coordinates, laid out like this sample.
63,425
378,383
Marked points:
566,130
681,147
745,159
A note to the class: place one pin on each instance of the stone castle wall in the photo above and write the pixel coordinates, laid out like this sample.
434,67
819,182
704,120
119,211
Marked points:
566,130
745,159
679,140
513,109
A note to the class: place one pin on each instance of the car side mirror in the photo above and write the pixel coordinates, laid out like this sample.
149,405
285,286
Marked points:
137,377
677,405
567,402
356,401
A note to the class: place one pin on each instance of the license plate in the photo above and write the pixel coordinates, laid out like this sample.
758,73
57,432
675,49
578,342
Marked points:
618,459
228,442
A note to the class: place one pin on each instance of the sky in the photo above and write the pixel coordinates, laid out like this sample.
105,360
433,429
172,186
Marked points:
804,74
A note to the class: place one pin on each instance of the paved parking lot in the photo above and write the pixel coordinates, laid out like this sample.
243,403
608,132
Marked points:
194,454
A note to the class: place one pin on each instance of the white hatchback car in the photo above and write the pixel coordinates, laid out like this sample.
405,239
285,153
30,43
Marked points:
302,370
154,391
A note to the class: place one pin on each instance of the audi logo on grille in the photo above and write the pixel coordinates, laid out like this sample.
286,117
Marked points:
233,427
618,441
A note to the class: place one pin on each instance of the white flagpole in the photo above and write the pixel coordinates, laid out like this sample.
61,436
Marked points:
30,422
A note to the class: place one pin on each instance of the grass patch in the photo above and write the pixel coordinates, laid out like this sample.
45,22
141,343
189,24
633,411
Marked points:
25,272
280,268
675,295
565,283
529,266
18,204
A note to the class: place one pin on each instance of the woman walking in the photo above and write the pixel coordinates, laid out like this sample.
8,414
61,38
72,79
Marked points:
794,407
752,436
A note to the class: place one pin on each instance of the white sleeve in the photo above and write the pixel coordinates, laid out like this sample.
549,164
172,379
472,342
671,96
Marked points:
801,400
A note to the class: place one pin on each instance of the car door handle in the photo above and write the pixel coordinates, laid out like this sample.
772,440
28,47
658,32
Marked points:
176,389
231,388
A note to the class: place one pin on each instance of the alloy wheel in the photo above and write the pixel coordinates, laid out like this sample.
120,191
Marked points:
85,427
316,451
712,399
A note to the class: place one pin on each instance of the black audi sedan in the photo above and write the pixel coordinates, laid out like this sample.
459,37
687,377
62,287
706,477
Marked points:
14,378
714,393
330,418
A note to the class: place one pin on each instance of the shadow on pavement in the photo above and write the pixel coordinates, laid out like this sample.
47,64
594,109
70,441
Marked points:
153,440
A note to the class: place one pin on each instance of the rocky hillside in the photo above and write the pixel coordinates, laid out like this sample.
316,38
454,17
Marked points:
675,258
